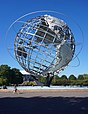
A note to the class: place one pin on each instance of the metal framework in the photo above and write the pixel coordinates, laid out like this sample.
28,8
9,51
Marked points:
44,44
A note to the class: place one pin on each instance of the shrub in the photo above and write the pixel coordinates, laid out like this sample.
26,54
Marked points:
31,83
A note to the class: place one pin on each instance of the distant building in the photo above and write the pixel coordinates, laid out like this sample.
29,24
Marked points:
26,76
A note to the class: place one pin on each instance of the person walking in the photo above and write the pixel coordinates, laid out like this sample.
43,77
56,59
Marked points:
15,88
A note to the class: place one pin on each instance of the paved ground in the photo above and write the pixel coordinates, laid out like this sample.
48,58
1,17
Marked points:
65,102
45,94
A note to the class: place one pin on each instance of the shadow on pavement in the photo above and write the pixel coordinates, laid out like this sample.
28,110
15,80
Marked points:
44,105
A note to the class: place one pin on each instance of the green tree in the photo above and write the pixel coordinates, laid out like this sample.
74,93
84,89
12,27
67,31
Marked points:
41,79
17,76
63,77
80,77
10,75
56,77
72,77
5,71
3,81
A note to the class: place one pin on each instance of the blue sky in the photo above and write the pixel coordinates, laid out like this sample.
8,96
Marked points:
10,10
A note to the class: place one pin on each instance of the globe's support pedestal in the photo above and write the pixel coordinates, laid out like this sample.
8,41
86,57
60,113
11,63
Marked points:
49,79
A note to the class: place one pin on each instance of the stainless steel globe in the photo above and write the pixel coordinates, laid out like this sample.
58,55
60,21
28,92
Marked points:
44,44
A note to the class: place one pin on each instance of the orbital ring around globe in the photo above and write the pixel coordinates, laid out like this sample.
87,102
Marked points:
43,42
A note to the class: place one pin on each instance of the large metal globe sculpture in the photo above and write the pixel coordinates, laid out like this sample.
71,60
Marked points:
44,44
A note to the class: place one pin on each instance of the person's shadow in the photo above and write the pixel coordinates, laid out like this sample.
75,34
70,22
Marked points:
44,105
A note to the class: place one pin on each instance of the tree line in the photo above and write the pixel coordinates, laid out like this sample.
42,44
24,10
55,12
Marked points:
81,80
10,75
